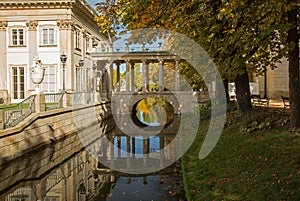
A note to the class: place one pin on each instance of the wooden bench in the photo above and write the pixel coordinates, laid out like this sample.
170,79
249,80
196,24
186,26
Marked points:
257,100
286,102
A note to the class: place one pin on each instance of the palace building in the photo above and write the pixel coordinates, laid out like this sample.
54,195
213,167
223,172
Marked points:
275,83
47,29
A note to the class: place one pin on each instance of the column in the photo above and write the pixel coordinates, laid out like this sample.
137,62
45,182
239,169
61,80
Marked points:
41,189
32,44
39,103
118,76
66,44
146,144
133,147
82,83
145,75
119,146
128,151
132,77
85,74
145,180
161,148
161,76
111,77
67,181
3,57
127,75
177,81
103,81
112,152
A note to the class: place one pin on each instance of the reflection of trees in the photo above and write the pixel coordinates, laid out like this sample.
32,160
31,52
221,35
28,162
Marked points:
155,110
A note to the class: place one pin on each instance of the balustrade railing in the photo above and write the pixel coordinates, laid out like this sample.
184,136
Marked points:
15,114
79,98
22,193
132,49
76,98
89,97
53,101
12,115
54,179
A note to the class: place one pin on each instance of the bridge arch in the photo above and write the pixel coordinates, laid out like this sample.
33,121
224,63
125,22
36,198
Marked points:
169,97
182,102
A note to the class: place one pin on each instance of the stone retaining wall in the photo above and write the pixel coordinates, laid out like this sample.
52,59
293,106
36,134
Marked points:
44,128
39,164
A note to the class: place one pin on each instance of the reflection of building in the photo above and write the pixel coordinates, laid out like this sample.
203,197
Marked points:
72,180
78,175
48,29
63,171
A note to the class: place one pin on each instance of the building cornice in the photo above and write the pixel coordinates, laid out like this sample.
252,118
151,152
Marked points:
31,4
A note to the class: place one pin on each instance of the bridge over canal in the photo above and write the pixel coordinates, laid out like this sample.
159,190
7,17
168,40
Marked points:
126,94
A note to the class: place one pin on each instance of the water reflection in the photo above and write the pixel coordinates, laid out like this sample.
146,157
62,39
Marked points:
143,151
62,172
154,111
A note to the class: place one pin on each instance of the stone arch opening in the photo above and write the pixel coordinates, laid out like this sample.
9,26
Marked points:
152,111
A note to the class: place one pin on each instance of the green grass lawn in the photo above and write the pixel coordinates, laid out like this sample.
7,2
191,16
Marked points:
2,106
258,165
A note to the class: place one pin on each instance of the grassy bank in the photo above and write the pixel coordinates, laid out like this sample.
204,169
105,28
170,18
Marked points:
253,160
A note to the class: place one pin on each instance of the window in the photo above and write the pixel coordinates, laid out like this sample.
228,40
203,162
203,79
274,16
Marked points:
77,39
79,79
87,45
49,83
18,84
17,37
48,36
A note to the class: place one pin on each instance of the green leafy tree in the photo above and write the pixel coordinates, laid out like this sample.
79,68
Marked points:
239,35
293,56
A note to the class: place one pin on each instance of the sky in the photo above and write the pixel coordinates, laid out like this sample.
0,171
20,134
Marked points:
121,42
93,2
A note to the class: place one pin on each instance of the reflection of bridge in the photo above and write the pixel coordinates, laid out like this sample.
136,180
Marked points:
138,154
59,172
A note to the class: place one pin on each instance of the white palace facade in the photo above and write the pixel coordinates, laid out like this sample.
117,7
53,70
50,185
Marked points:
50,28
47,29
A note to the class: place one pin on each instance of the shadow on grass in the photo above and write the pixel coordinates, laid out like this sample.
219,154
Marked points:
256,164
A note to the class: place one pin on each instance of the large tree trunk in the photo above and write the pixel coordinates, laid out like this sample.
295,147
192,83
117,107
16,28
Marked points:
293,56
242,88
225,82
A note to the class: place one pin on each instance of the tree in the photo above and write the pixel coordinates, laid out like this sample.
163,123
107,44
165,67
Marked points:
239,35
293,57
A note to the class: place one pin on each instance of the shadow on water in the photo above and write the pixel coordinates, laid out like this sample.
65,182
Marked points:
70,172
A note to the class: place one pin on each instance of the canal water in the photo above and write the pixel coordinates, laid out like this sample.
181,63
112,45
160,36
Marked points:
116,166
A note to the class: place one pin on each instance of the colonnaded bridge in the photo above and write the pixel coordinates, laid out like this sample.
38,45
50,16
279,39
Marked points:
125,93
